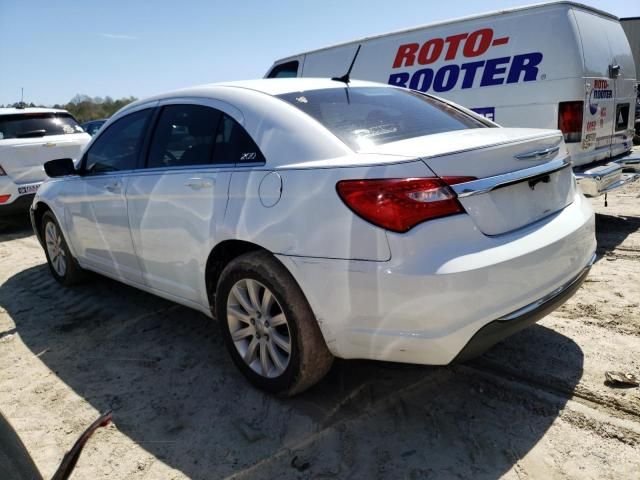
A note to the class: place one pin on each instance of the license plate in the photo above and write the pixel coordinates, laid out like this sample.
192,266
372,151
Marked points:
28,189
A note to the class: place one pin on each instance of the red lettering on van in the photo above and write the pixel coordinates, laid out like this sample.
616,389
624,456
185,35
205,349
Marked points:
454,43
478,42
430,51
473,44
407,54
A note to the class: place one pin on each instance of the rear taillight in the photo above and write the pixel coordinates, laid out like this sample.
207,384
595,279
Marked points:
4,198
399,204
2,172
570,120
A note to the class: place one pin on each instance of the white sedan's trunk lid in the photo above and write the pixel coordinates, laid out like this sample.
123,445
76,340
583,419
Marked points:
523,175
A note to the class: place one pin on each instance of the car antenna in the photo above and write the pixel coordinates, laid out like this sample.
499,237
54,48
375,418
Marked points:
345,78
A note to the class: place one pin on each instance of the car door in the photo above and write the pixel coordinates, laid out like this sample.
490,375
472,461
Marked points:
176,203
96,209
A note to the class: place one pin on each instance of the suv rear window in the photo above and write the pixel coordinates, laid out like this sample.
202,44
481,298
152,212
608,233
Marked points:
365,116
29,125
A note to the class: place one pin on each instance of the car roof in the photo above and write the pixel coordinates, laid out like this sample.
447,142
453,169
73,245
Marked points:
270,121
268,86
28,110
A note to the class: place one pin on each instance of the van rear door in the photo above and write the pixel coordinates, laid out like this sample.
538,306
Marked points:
624,71
609,76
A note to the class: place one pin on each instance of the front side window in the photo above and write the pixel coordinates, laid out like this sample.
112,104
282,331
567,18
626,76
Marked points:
29,125
184,135
284,70
234,145
117,148
366,116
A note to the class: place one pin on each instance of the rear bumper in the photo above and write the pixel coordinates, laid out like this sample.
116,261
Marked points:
631,162
504,327
602,179
19,206
444,283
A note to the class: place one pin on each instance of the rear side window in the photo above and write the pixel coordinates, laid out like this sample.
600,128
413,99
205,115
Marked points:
184,135
234,145
284,70
366,116
117,148
29,125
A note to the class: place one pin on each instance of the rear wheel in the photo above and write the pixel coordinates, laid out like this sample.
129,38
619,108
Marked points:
268,326
63,266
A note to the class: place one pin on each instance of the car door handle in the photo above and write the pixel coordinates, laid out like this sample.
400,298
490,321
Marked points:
113,186
198,183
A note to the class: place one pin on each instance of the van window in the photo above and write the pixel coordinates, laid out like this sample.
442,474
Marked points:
184,135
365,116
284,70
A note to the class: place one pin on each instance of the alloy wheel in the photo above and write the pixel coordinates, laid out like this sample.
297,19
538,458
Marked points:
259,328
53,240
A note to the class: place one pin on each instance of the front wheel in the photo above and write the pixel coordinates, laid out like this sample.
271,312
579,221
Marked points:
268,326
63,266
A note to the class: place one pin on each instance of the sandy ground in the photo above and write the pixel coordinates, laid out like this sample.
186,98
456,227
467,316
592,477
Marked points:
535,406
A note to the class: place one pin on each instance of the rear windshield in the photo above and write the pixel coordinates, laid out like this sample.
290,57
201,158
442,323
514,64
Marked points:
366,116
27,125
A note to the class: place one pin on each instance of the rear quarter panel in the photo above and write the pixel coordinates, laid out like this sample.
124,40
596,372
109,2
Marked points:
308,218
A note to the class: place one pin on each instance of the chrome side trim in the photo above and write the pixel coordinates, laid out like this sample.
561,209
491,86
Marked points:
538,154
485,185
550,296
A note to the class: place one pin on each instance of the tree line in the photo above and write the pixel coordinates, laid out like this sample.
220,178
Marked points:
85,108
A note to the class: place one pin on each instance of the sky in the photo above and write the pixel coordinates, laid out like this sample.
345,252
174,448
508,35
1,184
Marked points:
57,49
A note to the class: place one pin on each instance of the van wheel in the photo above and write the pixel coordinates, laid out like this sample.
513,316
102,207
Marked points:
62,265
268,326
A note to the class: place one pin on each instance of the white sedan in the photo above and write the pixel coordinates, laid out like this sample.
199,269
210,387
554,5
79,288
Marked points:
318,219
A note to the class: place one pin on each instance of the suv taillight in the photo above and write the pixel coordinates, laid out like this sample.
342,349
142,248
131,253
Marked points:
570,120
399,204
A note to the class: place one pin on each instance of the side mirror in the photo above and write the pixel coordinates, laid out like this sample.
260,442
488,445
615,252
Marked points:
61,167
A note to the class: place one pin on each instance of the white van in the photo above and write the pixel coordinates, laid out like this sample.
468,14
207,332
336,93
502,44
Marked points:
558,65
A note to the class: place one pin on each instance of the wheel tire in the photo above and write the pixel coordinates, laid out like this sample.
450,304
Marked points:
56,249
309,358
636,139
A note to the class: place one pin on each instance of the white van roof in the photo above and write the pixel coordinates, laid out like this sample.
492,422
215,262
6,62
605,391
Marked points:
458,20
